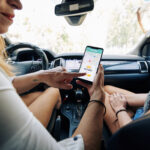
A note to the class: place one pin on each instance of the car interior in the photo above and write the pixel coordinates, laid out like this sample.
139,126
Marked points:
130,71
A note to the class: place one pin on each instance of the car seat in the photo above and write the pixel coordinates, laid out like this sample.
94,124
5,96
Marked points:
134,136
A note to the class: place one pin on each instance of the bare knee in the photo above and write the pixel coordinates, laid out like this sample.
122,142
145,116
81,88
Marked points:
108,88
53,90
31,97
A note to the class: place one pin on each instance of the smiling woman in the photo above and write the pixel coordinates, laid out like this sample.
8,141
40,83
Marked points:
6,16
111,25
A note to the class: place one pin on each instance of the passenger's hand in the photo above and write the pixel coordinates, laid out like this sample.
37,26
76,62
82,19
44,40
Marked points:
98,84
58,77
118,101
97,89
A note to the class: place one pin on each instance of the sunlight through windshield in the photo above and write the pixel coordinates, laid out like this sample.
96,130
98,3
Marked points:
112,25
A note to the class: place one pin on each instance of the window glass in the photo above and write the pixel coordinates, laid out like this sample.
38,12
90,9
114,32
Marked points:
112,25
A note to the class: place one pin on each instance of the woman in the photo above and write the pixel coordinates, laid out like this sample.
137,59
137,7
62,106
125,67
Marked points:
124,106
19,129
49,99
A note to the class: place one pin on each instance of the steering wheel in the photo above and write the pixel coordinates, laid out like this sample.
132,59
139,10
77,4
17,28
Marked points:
10,49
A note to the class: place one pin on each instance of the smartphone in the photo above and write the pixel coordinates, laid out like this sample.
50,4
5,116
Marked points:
90,62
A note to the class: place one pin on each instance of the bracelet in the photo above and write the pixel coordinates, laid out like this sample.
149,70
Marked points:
101,103
119,112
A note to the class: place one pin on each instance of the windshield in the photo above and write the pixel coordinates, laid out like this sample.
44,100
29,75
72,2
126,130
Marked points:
112,25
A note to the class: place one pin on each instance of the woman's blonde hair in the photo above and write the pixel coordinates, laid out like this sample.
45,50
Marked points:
3,55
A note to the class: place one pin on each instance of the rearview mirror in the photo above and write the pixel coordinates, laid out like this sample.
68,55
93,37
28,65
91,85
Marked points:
74,7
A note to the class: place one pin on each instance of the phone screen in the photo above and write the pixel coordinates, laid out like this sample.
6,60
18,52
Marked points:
90,62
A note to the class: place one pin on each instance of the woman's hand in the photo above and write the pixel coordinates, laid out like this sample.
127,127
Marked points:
96,91
118,101
58,77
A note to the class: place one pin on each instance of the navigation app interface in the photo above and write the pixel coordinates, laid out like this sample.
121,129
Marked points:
90,63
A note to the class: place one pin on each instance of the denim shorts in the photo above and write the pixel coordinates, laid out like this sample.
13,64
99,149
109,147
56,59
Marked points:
139,113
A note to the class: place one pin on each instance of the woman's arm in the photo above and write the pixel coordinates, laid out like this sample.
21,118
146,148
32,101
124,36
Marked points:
136,100
57,77
123,118
24,83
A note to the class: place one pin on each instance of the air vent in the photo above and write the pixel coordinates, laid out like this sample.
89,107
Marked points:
143,66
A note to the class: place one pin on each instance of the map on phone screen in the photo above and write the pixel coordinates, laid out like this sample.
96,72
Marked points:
90,62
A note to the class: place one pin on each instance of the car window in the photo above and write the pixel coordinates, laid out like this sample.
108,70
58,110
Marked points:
112,25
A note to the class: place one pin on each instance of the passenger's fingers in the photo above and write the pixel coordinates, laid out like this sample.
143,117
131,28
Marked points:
118,95
73,75
97,78
58,69
61,68
101,75
64,69
123,97
67,80
111,98
83,84
66,86
114,94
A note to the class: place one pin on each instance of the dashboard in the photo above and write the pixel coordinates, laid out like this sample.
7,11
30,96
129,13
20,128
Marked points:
124,71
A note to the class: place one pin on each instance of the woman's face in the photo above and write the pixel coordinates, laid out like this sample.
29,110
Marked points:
7,13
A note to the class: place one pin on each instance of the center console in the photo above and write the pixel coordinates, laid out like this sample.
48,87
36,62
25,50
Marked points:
73,108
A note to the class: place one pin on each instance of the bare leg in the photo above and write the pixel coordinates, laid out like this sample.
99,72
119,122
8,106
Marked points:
110,117
31,97
111,89
41,104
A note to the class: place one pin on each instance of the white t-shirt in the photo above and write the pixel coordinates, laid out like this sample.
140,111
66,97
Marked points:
20,130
